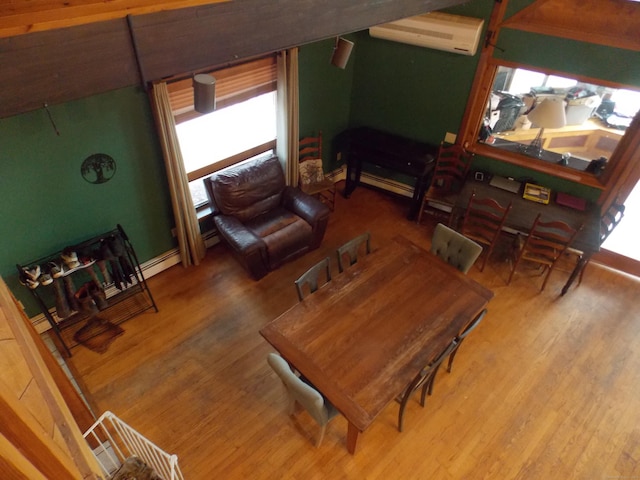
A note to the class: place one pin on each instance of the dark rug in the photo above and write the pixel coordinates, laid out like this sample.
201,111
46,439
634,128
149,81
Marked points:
98,334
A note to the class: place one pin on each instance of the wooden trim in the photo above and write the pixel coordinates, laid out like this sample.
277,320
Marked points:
39,15
531,163
612,23
20,427
22,431
13,463
227,162
617,262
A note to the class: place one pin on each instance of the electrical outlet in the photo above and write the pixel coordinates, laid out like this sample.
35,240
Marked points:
450,138
339,156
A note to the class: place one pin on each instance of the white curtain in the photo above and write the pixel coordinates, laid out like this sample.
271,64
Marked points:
287,121
190,242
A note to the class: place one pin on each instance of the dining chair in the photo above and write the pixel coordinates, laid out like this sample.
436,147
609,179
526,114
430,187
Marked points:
608,223
544,245
313,276
460,337
306,395
454,248
424,379
311,172
483,221
351,250
447,179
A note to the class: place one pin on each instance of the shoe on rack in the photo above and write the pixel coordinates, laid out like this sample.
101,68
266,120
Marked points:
45,279
70,258
27,281
55,270
98,295
32,272
86,303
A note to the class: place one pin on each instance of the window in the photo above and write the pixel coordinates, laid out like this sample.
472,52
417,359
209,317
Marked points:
595,117
242,126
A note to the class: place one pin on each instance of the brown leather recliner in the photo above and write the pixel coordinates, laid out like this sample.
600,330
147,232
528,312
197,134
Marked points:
264,222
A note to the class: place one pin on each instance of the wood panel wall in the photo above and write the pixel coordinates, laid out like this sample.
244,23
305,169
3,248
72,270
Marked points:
39,436
57,66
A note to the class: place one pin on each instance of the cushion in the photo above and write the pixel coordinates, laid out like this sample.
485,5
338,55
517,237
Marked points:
311,171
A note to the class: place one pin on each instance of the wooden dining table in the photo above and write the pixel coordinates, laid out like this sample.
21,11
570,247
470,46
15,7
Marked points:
363,337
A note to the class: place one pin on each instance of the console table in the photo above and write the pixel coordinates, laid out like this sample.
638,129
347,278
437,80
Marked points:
402,155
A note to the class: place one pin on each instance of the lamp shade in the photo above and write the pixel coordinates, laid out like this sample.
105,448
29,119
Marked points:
341,52
204,93
549,114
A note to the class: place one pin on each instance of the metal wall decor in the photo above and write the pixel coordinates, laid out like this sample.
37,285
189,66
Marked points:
98,168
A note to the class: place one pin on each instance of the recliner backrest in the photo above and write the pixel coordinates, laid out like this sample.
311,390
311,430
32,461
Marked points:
247,190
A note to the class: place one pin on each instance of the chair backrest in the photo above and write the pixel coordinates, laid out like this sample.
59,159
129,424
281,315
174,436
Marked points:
310,160
610,220
483,219
313,276
547,241
304,394
454,248
450,170
471,326
351,250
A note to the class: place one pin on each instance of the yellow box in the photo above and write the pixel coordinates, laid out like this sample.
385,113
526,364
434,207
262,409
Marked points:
536,193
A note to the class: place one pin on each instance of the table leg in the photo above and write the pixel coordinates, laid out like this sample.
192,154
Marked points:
580,264
352,438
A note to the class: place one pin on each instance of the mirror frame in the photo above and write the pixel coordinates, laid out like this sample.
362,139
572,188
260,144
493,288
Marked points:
622,159
479,102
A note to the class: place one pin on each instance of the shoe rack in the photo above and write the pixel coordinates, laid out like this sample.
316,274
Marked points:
97,280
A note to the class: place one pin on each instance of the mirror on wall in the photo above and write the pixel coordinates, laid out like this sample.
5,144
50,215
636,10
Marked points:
556,119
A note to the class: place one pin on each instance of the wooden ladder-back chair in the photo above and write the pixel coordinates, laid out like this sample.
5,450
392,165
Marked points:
311,172
447,179
483,221
608,223
544,245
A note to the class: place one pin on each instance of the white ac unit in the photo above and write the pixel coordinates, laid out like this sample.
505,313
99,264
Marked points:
442,31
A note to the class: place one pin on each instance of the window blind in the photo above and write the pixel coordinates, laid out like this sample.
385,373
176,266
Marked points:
233,85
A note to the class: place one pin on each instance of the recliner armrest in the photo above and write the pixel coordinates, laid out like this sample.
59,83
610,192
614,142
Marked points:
305,206
239,237
248,248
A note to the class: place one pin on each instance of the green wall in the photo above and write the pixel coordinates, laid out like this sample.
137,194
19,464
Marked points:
325,94
422,93
46,203
415,92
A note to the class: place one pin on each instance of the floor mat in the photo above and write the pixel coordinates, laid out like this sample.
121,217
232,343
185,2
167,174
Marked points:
98,334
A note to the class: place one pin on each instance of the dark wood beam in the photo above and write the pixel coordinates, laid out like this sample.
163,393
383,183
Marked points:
57,66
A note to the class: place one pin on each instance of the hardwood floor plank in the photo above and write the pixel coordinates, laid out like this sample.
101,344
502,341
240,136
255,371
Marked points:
546,387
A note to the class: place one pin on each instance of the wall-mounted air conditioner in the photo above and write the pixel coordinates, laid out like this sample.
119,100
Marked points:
441,31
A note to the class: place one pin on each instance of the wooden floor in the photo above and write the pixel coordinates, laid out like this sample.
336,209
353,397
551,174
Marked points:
548,387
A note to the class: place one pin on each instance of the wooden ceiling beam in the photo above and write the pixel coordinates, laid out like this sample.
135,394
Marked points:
41,15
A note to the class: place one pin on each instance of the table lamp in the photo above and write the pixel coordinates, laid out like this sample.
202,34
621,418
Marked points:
549,114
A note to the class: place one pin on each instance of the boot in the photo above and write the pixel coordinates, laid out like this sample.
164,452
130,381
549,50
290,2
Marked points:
86,303
62,306
99,296
70,291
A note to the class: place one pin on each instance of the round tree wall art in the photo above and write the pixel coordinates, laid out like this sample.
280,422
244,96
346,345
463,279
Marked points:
98,168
